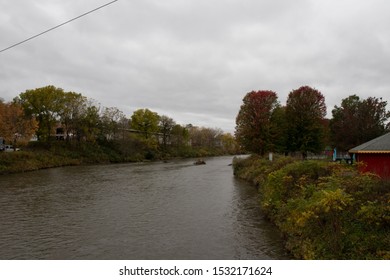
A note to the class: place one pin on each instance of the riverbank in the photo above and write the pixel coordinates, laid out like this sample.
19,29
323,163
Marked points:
324,210
40,156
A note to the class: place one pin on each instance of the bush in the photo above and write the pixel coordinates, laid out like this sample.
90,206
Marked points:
324,210
256,168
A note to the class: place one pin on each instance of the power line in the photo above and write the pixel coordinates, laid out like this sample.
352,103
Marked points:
57,26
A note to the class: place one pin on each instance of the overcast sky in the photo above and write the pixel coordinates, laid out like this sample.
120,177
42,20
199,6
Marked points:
194,60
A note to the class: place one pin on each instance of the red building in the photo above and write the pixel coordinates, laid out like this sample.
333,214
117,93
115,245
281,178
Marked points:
375,155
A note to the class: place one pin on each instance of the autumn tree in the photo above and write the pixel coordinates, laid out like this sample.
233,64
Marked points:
253,122
44,104
77,115
229,143
146,122
15,126
205,137
357,121
305,112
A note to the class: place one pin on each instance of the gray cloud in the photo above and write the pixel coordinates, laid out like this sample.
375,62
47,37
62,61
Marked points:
195,60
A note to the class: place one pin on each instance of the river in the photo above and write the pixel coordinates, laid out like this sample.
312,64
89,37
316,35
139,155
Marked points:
173,210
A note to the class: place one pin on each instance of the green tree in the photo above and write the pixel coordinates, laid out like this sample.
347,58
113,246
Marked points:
305,112
344,125
146,122
166,125
357,121
373,116
253,122
278,130
71,112
179,136
112,120
88,125
45,104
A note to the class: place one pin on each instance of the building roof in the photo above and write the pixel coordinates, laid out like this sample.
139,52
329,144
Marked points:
377,145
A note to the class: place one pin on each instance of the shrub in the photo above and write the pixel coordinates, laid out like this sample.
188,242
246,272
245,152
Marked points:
324,210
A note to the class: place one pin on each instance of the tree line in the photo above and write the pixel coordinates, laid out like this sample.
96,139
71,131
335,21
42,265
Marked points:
45,112
264,125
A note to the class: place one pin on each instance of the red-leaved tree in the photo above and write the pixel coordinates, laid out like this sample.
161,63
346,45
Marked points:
253,122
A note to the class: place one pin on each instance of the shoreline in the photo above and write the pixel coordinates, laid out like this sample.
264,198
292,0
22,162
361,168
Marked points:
324,210
59,156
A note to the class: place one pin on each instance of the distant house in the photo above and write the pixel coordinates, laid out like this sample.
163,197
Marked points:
375,155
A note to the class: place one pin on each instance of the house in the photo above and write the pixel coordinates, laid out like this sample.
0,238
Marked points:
375,155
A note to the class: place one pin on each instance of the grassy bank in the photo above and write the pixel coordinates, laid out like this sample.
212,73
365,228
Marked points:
324,210
41,156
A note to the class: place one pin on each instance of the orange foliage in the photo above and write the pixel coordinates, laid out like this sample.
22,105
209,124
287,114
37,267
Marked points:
15,127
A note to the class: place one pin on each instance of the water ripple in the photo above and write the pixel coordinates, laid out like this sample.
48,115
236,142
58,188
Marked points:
169,210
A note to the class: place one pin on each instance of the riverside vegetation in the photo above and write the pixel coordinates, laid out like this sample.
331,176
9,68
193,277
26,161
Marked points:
60,153
71,129
324,210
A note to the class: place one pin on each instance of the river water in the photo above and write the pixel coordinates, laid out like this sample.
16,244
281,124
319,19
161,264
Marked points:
173,210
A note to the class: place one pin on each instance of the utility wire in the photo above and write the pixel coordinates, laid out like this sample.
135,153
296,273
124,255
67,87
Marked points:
57,26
